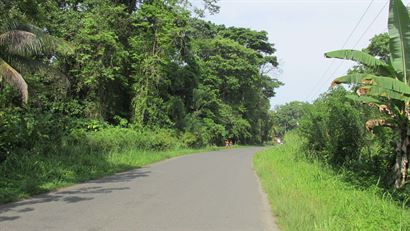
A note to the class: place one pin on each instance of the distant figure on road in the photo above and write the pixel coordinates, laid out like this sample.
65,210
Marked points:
228,143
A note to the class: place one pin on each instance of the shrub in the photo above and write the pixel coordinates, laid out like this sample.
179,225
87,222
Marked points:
333,128
334,132
190,140
117,138
30,131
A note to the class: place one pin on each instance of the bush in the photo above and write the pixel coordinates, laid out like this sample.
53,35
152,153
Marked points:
335,133
206,131
334,128
190,140
117,138
30,131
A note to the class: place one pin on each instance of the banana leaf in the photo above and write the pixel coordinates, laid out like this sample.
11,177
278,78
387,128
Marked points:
399,31
376,91
361,57
363,99
388,83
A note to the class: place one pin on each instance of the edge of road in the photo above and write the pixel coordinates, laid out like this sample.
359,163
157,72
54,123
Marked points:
270,220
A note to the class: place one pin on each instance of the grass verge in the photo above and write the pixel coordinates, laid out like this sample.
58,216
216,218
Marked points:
26,175
307,196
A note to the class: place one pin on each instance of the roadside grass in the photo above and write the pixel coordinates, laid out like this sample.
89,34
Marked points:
308,196
22,176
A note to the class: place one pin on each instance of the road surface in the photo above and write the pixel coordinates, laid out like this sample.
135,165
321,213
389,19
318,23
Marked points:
214,191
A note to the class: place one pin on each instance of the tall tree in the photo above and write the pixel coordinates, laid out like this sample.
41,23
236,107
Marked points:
158,51
231,62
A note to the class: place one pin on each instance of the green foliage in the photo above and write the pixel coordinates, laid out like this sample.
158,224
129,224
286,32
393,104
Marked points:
143,64
30,131
286,117
19,46
190,140
379,47
334,133
399,32
333,128
396,68
358,56
125,138
158,53
233,91
307,196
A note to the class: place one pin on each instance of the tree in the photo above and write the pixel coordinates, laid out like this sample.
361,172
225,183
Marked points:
379,47
231,75
388,87
286,117
158,50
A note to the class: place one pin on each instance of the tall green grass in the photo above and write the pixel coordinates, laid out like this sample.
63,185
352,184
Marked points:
308,196
87,157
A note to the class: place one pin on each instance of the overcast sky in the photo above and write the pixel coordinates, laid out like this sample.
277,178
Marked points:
302,31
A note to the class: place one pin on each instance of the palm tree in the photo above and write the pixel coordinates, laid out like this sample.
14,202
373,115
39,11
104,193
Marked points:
389,87
19,46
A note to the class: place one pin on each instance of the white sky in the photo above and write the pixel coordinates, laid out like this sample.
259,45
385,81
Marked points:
302,31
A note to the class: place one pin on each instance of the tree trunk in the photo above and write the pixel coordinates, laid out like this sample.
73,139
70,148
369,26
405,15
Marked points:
402,156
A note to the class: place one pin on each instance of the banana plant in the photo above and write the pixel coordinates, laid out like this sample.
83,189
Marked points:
19,46
389,87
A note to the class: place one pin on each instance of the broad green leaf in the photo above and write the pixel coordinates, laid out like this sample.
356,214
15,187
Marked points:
399,31
358,56
363,99
388,83
373,80
382,92
354,78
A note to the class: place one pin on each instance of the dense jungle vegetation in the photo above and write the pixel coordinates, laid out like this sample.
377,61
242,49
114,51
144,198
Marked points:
78,66
108,75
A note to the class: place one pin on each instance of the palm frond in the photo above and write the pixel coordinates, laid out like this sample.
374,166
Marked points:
14,78
19,42
27,65
26,39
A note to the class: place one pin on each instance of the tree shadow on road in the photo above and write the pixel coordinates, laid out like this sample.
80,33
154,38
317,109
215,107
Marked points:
75,194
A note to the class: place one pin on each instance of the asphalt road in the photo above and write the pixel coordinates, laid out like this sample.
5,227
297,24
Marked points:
215,191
